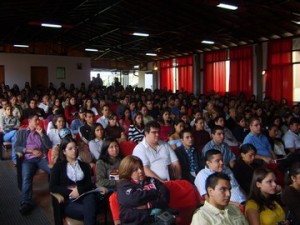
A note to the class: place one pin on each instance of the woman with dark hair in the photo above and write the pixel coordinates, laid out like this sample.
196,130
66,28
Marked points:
174,138
125,121
113,130
136,130
262,208
70,177
96,142
201,136
71,111
108,164
244,167
139,197
88,105
275,141
291,193
165,125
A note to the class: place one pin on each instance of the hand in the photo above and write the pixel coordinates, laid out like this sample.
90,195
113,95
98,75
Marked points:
36,153
74,194
39,130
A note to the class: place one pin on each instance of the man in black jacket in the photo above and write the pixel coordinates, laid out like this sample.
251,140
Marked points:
189,157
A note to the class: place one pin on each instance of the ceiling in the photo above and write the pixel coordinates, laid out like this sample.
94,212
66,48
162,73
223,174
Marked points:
176,27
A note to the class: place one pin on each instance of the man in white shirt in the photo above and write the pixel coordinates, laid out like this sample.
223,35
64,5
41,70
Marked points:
291,138
216,209
103,120
159,160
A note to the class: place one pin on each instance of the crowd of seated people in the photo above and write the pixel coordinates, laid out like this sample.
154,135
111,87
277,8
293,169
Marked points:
181,127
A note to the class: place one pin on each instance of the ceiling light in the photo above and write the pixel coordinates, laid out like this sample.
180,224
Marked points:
296,22
136,66
21,46
227,6
51,25
91,50
140,34
207,42
151,54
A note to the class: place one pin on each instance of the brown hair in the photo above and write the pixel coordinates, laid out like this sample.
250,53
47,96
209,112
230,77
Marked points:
128,165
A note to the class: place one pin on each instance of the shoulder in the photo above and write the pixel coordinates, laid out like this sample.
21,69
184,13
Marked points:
251,204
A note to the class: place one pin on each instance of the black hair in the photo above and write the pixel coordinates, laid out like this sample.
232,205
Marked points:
186,130
63,144
215,128
212,180
210,153
94,126
151,124
245,148
293,171
104,150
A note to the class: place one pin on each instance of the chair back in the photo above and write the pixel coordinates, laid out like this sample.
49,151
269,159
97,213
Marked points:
126,147
114,208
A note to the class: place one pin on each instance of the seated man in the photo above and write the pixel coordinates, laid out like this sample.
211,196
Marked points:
157,156
291,138
214,163
34,144
228,136
217,142
260,141
216,208
86,130
189,157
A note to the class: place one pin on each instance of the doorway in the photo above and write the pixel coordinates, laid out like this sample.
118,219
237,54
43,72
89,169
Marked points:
2,74
39,77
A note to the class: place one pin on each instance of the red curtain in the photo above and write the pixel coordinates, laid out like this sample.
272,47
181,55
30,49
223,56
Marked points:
166,74
215,72
279,80
185,73
241,71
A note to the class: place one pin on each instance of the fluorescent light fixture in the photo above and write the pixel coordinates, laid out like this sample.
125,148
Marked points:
21,46
51,25
227,6
91,50
296,22
140,34
207,42
151,54
136,66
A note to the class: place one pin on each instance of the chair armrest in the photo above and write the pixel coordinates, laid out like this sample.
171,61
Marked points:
19,154
60,199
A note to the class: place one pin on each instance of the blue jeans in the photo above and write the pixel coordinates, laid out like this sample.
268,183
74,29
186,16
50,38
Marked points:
10,136
29,167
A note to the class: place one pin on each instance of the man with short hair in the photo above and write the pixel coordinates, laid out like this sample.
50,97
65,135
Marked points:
228,136
34,144
86,130
291,138
216,208
214,163
78,122
189,157
159,160
104,118
217,142
260,141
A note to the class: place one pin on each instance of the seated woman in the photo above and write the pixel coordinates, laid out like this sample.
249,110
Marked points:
275,141
139,197
262,208
70,177
113,130
201,136
125,121
244,166
136,130
95,145
174,139
165,125
291,193
108,164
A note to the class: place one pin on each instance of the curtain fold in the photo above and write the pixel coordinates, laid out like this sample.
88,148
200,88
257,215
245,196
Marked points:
215,72
166,74
241,71
279,76
185,73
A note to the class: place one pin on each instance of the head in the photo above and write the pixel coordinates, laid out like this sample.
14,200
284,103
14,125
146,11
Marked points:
68,149
165,115
241,120
138,120
59,122
33,121
218,190
105,110
152,129
97,131
8,110
131,168
292,176
199,124
186,138
178,126
89,117
263,183
112,120
220,121
273,131
144,110
32,104
149,104
294,125
217,134
248,152
214,160
110,149
126,114
255,125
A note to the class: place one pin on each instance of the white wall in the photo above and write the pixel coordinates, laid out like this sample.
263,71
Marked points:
17,68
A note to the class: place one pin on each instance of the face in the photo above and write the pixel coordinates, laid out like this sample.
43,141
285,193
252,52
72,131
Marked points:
179,127
166,116
294,127
184,118
32,104
255,127
89,118
144,111
153,136
71,151
216,163
127,113
220,122
8,111
113,149
138,175
89,102
138,119
60,123
273,132
99,132
72,101
220,195
218,136
197,115
200,125
113,121
296,181
105,111
13,100
33,122
187,140
248,157
149,105
268,185
242,123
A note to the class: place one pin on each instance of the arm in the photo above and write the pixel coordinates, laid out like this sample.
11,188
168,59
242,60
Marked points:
175,170
266,159
252,216
150,173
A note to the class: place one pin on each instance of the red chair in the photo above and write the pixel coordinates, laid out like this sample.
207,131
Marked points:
114,208
126,147
113,107
184,197
235,150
